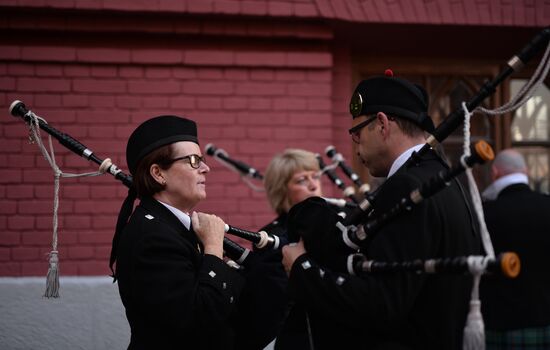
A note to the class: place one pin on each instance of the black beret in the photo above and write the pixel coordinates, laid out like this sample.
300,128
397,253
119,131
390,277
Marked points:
394,96
157,132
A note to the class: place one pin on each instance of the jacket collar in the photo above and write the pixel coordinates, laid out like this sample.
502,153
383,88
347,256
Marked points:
519,187
157,209
493,190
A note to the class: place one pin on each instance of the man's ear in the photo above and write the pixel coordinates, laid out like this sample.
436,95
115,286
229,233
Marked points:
383,122
495,174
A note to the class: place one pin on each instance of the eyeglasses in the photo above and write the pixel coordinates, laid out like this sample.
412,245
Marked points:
194,160
356,130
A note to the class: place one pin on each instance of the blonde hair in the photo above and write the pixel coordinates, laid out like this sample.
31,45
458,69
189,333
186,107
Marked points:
280,171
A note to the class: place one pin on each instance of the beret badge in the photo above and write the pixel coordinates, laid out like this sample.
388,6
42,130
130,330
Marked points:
356,104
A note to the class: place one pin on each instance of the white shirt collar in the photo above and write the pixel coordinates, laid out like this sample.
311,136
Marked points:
493,190
403,158
183,217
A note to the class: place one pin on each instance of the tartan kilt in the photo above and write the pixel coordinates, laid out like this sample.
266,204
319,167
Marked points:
537,338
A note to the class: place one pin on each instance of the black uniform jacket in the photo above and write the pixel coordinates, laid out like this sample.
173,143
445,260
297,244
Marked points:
518,220
397,310
175,296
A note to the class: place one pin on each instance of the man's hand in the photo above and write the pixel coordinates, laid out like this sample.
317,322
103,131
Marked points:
291,252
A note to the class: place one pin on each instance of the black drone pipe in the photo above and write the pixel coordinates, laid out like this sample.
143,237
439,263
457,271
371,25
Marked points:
18,109
453,120
505,264
222,155
515,64
262,239
235,251
340,203
482,153
335,179
339,159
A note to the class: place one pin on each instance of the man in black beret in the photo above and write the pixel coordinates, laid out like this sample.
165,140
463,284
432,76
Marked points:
394,310
176,289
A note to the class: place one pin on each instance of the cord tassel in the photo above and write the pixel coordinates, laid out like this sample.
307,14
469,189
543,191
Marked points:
474,331
52,279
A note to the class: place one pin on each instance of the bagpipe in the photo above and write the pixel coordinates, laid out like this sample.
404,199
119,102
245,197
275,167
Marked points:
232,249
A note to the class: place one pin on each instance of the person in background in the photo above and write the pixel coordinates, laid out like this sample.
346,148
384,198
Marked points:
175,287
517,311
265,307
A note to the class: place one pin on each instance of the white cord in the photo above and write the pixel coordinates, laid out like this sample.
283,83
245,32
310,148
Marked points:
329,167
474,191
527,91
251,185
52,279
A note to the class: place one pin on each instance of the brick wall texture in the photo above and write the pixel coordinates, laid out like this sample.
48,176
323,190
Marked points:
258,77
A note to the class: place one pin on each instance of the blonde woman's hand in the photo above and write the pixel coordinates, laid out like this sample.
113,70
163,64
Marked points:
291,252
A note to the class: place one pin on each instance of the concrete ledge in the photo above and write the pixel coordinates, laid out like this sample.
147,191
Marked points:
88,315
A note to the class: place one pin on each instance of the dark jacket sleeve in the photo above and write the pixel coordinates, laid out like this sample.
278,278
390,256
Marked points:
168,283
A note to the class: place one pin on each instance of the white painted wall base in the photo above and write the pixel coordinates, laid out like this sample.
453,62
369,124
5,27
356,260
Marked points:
88,315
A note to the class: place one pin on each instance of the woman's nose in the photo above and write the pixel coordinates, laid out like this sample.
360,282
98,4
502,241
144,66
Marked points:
204,168
313,184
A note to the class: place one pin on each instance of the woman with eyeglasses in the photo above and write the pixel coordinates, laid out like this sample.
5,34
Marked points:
177,290
264,306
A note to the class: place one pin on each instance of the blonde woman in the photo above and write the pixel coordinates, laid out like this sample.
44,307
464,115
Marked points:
291,177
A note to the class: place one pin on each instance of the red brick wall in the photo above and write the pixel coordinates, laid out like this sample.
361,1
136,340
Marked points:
252,97
257,76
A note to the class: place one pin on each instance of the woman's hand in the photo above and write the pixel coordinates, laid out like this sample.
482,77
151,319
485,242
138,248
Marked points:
291,252
210,230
